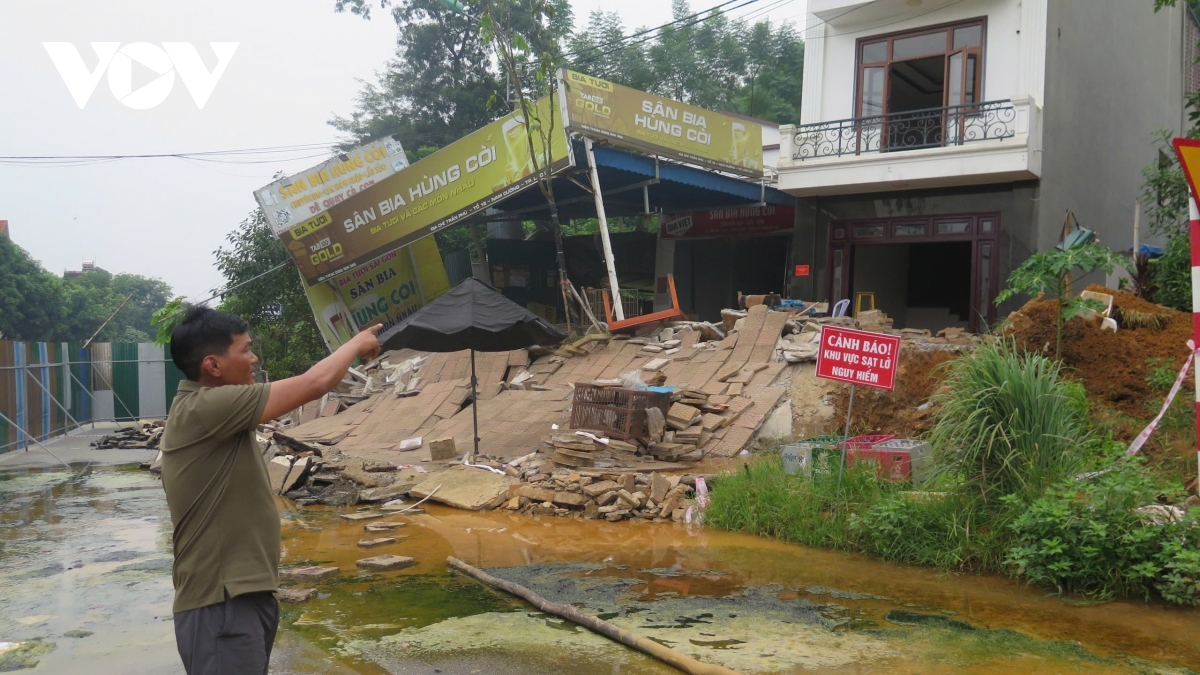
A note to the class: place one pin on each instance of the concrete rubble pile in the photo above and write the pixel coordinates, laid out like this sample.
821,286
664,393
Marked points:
400,427
144,435
602,494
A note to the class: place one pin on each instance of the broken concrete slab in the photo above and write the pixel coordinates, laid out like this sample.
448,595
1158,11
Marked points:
569,499
277,473
594,490
535,494
361,515
308,573
296,596
383,494
465,488
442,449
298,473
659,487
385,526
368,479
383,563
377,541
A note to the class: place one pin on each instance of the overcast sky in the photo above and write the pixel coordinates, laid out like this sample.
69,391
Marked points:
297,64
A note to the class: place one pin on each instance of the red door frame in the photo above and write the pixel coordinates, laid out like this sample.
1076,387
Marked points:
981,229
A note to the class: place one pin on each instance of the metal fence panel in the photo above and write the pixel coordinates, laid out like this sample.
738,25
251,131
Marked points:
152,381
125,379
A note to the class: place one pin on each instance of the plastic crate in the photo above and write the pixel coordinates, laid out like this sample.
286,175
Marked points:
921,456
864,442
893,464
614,411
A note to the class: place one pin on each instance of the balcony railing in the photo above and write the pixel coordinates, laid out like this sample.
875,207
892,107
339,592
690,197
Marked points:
910,130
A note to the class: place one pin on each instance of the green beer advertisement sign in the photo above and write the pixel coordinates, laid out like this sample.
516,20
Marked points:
636,119
464,178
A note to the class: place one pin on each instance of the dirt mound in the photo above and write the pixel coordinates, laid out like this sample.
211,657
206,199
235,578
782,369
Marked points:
878,411
1112,366
1127,305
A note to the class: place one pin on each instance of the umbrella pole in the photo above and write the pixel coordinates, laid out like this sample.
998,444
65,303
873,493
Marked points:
474,408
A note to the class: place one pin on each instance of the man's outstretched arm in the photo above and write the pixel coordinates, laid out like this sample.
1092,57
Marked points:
287,395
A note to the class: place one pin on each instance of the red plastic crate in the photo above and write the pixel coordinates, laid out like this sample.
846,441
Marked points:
863,442
894,464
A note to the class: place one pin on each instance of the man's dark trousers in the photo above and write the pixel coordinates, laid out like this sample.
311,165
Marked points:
229,638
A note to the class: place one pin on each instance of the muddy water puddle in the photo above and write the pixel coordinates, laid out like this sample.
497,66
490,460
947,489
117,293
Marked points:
91,553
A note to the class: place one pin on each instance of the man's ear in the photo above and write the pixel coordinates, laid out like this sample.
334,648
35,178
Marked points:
211,366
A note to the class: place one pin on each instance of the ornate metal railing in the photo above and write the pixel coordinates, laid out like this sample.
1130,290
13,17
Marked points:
912,130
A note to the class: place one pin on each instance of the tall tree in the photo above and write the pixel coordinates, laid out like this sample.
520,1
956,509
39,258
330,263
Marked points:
36,305
707,60
436,89
286,337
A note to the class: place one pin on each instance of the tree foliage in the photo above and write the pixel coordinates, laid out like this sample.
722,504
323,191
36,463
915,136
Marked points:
436,89
710,61
36,305
286,338
1049,272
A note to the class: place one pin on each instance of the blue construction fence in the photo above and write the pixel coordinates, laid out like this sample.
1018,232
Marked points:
49,388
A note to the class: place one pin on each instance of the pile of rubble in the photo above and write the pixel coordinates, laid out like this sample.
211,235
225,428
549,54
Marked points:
143,436
400,427
602,494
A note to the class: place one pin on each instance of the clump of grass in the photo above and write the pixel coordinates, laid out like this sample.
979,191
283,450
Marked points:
763,499
1009,423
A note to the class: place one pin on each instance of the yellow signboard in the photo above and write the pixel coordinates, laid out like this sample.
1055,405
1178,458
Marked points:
386,290
455,182
658,125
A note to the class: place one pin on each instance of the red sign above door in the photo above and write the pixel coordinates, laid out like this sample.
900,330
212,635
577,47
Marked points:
858,357
742,220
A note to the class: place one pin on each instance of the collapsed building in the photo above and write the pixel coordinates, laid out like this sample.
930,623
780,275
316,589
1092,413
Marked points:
402,426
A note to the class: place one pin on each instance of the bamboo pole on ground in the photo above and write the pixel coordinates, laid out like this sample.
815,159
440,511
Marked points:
665,654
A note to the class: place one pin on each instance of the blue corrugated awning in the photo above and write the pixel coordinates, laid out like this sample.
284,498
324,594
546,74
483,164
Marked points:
679,188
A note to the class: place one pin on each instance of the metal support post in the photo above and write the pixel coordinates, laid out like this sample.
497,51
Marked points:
1194,236
618,310
39,443
412,258
845,437
43,388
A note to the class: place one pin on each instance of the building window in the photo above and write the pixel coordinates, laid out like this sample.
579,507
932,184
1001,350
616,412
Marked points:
921,69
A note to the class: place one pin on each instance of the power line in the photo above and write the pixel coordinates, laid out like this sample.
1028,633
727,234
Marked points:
625,42
624,38
216,293
235,156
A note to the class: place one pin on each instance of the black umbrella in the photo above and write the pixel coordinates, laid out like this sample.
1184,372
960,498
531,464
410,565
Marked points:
472,315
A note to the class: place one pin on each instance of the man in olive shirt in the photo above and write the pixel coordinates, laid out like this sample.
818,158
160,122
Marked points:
226,524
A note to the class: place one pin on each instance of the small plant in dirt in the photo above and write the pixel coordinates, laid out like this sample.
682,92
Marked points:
1009,423
1088,537
1049,273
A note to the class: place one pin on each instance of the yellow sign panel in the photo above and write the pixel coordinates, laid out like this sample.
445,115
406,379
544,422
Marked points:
466,177
636,119
386,290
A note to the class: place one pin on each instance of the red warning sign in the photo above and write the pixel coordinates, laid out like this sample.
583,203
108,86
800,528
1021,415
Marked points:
802,270
858,357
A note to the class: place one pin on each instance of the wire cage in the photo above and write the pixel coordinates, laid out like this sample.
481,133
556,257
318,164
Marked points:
614,411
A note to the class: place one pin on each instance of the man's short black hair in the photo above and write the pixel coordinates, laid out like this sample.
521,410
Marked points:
203,332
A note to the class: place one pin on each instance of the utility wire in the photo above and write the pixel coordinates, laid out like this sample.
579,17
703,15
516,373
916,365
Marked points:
216,293
625,38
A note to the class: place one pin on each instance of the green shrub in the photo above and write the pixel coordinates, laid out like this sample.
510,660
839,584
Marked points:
940,530
1086,537
1009,423
1173,273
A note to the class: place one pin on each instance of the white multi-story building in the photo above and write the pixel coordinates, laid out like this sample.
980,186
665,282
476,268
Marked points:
942,142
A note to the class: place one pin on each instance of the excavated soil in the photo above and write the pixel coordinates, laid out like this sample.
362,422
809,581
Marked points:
1112,366
878,411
